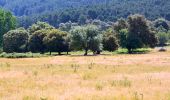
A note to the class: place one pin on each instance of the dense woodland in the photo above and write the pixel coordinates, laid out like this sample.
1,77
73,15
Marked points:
79,11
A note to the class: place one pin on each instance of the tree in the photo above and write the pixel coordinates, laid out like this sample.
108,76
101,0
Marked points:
15,41
139,34
64,17
87,38
36,41
161,22
7,22
39,26
82,19
101,25
55,41
163,38
122,37
110,41
168,33
92,14
67,26
120,24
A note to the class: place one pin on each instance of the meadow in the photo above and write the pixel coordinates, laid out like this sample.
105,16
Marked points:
76,77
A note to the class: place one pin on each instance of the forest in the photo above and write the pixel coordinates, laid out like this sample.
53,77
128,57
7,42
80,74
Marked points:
56,11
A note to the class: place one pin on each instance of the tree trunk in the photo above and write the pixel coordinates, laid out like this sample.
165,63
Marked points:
50,52
129,50
98,52
86,52
59,53
94,53
67,52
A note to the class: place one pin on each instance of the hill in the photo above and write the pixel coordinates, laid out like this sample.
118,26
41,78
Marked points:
59,11
29,7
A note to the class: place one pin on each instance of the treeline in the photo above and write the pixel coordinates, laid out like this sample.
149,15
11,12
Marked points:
104,10
30,7
96,36
79,11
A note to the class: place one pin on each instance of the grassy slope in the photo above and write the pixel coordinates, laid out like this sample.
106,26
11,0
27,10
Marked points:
118,77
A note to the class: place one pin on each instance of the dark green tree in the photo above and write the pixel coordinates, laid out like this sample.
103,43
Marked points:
122,37
7,22
139,34
55,41
120,24
163,38
15,41
161,22
110,42
36,41
82,20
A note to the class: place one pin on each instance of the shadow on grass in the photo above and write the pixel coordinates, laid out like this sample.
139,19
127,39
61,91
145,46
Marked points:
137,51
72,54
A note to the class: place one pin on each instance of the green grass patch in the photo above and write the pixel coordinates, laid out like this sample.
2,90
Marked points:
21,55
36,55
136,51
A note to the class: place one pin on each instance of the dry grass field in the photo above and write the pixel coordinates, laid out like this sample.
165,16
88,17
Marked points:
105,77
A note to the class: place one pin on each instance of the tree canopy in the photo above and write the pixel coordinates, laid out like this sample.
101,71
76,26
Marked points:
7,23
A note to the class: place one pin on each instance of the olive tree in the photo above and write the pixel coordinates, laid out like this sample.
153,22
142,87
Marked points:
15,41
86,38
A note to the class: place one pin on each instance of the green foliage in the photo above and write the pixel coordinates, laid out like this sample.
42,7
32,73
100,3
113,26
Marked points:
87,38
67,26
38,32
57,11
55,41
122,36
39,26
163,38
161,22
120,24
15,41
110,42
7,22
36,41
21,55
82,19
168,34
139,33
